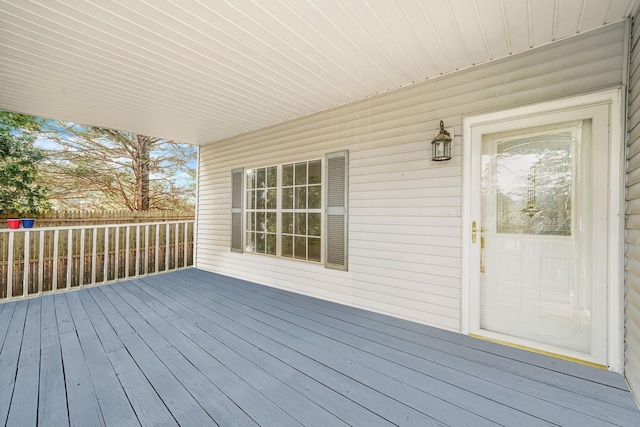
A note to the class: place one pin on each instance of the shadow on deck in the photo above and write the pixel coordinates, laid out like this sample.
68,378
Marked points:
193,348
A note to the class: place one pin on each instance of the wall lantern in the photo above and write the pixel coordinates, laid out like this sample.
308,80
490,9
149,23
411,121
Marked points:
441,145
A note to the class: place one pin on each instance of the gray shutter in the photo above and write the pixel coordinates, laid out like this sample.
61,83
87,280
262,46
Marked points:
237,176
337,176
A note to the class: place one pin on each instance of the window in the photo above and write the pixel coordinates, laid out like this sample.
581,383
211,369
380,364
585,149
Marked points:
283,210
261,210
302,210
294,207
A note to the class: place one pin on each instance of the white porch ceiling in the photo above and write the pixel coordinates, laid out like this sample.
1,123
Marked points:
203,70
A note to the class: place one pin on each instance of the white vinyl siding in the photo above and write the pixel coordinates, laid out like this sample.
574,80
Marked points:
404,211
632,264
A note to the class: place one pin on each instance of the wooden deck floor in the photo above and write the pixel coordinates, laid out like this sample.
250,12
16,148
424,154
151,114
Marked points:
193,348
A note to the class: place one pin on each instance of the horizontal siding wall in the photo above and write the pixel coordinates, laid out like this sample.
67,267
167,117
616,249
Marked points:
404,210
632,273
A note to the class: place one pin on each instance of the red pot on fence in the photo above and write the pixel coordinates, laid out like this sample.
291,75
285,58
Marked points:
13,223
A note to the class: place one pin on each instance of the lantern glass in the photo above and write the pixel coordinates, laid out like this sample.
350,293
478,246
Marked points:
441,150
441,145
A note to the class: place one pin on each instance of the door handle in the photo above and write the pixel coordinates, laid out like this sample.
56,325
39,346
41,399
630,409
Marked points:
473,232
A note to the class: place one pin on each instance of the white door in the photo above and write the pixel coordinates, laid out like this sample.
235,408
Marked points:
541,256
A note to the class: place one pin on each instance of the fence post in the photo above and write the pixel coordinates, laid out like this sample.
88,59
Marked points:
105,266
54,282
116,253
25,271
177,250
10,266
146,249
186,235
69,257
127,230
94,254
156,269
81,264
41,261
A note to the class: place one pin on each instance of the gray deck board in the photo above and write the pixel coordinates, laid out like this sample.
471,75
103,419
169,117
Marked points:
412,400
260,355
112,400
522,362
169,345
23,411
460,375
450,389
9,357
52,394
194,348
573,377
259,370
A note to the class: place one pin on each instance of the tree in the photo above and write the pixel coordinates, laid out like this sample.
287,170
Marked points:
105,168
20,192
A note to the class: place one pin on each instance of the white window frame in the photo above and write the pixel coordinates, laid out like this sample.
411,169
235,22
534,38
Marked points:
280,210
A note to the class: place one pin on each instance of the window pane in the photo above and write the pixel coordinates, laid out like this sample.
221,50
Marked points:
300,247
313,246
260,243
272,198
315,197
315,172
251,199
251,242
272,177
271,222
287,198
301,197
251,178
301,173
287,175
287,246
287,223
315,221
261,224
251,221
261,195
271,244
261,180
301,223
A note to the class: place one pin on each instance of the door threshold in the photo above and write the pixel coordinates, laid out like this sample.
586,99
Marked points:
538,351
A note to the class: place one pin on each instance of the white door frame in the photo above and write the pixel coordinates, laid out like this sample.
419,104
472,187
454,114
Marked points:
615,250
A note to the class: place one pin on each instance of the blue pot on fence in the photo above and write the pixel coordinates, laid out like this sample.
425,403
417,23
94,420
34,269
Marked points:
27,222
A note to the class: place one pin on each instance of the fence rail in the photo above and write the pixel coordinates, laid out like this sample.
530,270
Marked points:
49,259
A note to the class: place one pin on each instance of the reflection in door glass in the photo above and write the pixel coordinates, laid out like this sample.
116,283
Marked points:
533,185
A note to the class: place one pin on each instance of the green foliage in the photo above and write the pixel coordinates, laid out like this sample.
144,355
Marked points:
98,168
19,159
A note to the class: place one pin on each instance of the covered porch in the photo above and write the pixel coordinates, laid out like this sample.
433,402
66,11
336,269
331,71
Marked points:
197,348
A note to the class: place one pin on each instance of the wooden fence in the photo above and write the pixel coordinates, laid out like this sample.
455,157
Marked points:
33,261
68,218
